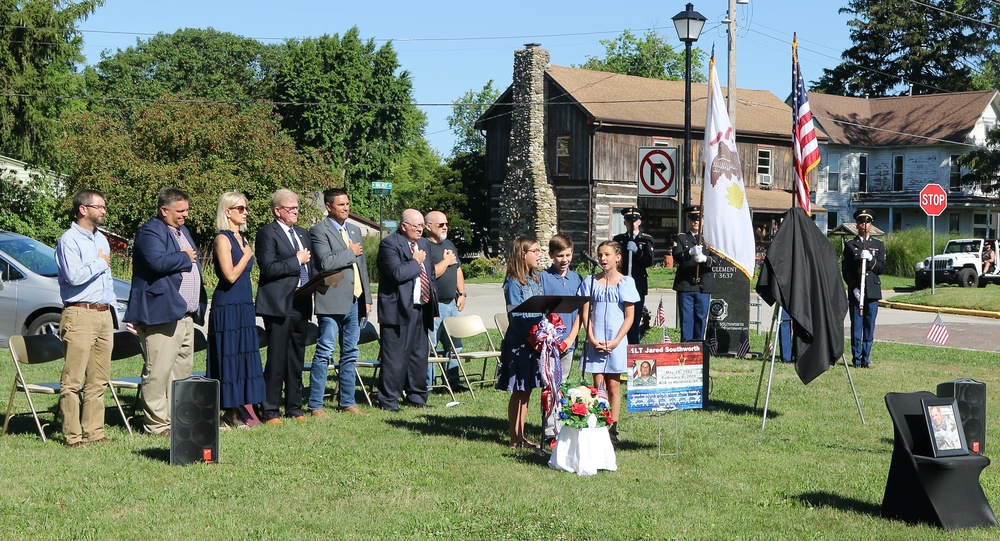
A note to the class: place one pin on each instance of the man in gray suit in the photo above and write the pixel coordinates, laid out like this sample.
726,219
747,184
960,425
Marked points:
340,309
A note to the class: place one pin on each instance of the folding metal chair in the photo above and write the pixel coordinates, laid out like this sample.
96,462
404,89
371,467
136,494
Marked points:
503,322
465,327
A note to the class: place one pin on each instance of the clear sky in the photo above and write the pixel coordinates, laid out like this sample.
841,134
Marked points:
451,47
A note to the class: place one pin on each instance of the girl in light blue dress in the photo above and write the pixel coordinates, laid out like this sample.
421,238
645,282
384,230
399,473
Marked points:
607,318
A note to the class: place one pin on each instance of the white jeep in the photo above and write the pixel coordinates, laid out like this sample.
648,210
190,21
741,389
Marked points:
961,264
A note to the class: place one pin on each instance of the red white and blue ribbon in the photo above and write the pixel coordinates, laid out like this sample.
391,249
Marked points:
545,338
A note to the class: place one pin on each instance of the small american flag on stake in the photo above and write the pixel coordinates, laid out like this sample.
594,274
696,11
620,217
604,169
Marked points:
938,333
661,315
666,337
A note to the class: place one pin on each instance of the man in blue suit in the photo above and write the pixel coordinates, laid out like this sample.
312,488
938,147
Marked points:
407,306
166,301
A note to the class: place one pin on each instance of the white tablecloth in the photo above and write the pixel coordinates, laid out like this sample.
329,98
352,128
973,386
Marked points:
583,451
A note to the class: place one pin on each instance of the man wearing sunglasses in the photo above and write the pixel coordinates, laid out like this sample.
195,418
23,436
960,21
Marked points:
863,262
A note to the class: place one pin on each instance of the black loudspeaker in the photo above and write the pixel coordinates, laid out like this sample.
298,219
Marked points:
971,397
194,421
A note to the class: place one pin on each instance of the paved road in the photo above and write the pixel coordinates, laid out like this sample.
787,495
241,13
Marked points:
904,326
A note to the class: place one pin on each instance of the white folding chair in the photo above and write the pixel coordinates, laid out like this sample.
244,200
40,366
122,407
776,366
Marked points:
465,327
503,322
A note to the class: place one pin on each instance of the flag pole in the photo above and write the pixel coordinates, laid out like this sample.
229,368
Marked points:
795,116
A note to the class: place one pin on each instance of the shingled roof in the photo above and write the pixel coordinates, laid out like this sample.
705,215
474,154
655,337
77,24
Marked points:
637,101
927,119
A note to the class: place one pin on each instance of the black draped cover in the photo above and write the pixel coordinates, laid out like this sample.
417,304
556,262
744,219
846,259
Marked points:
801,272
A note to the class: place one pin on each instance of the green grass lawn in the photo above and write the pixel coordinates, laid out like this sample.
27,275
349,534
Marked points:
816,472
985,298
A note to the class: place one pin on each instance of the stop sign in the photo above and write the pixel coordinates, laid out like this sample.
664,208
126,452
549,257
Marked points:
933,199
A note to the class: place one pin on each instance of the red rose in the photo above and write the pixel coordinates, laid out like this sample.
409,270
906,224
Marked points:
579,409
609,420
593,391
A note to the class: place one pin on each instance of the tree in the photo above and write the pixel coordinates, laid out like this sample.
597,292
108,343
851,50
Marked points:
37,72
422,182
935,45
205,64
650,56
468,160
202,148
344,96
36,209
984,163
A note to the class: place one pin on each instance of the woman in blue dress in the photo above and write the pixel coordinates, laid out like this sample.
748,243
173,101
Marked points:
233,351
607,316
518,370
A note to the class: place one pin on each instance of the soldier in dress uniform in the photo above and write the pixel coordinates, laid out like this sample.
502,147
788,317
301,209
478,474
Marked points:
694,281
866,249
637,249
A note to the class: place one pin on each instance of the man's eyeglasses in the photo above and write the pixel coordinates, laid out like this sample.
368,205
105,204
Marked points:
442,224
239,208
289,209
97,207
414,226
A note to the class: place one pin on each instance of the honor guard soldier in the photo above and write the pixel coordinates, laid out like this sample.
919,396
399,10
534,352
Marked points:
864,261
637,249
694,280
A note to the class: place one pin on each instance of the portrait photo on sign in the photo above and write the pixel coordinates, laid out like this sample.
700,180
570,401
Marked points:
643,373
944,427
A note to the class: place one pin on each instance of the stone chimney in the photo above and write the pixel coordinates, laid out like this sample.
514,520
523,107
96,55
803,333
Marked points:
527,198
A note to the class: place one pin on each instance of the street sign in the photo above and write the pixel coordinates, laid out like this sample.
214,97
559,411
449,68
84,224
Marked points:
381,188
657,171
933,199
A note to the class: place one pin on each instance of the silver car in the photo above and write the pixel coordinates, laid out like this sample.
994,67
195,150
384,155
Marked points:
29,291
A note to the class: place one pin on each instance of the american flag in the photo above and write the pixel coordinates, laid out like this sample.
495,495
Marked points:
806,149
666,337
744,348
661,315
938,333
713,343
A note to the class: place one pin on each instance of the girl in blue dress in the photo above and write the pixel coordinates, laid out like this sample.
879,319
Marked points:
518,370
607,316
233,350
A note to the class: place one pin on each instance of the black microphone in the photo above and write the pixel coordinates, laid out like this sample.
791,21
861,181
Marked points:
586,257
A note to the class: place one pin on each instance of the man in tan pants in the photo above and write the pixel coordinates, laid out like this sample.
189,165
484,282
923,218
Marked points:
87,326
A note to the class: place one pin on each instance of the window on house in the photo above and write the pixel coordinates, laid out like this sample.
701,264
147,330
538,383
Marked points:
897,222
955,174
863,173
562,155
954,222
832,220
833,172
764,167
897,173
979,225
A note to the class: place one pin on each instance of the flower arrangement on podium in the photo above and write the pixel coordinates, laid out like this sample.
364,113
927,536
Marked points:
544,338
583,406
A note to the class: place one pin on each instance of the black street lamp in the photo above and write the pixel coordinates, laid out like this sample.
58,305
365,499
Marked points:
689,24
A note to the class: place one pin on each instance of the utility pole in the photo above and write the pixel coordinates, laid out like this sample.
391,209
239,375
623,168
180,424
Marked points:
731,80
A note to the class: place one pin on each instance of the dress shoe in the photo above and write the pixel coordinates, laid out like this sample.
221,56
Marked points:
102,439
300,418
274,421
165,433
352,410
387,408
319,413
75,444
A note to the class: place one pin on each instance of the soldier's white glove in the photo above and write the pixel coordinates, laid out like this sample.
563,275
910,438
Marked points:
631,246
857,294
866,255
695,250
700,258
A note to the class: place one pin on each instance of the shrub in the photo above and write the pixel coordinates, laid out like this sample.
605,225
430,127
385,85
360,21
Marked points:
490,267
904,249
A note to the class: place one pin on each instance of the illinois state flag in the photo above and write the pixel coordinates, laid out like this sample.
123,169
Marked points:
727,228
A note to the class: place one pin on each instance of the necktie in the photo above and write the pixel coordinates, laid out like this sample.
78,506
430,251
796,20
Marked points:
303,270
425,283
357,275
